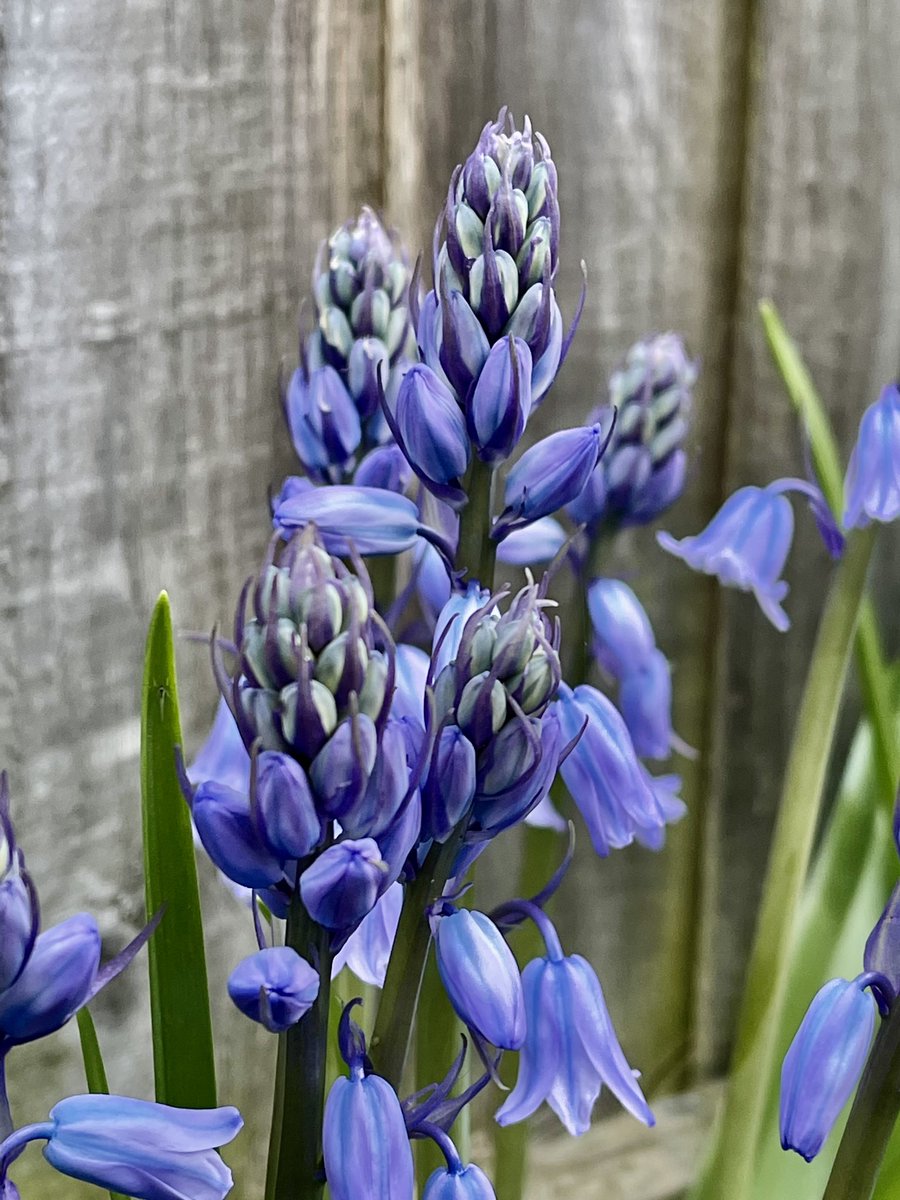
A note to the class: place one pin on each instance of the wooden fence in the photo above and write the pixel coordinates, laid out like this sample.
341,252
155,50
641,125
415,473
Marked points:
168,170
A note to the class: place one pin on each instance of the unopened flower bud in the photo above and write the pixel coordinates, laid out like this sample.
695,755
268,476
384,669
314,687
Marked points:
343,883
481,977
275,987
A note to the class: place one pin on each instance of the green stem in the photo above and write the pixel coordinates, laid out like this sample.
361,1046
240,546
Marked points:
438,1042
295,1151
400,994
732,1170
872,1118
477,551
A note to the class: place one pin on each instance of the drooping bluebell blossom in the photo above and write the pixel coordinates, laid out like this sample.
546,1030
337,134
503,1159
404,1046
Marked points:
872,487
824,1063
323,422
285,805
642,472
19,910
367,520
145,1150
343,883
411,676
368,949
548,476
747,542
603,775
364,1141
645,699
57,979
275,987
570,1047
481,977
623,635
465,1183
671,807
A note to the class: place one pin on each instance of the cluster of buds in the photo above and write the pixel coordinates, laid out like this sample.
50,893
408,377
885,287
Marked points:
363,340
642,472
494,677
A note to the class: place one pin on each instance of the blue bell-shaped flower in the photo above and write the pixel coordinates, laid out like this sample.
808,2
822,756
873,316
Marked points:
872,486
290,824
372,520
548,476
431,429
481,977
231,837
501,401
275,987
343,883
323,421
450,787
56,981
623,635
458,1183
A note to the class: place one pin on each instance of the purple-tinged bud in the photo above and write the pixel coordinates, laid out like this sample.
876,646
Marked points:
458,1183
387,787
494,812
451,622
368,363
481,977
623,635
645,698
539,542
364,1140
450,787
232,838
602,773
340,771
150,1151
287,810
431,428
274,987
384,467
461,343
882,955
824,1063
872,487
570,1048
548,476
401,837
323,422
501,401
411,677
56,981
369,520
367,950
343,883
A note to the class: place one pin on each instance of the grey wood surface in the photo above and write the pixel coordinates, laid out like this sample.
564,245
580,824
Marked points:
167,172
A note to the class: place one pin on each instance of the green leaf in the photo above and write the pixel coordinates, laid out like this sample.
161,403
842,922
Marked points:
183,1058
94,1070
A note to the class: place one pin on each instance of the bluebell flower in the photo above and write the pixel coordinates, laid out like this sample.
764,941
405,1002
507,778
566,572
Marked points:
449,789
501,400
645,698
341,771
323,422
671,808
538,542
481,977
458,1183
364,1139
747,542
148,1151
231,836
824,1063
570,1047
343,883
57,979
286,808
642,472
548,476
431,430
367,950
411,675
223,756
623,635
602,773
370,520
384,467
493,812
275,987
19,910
872,487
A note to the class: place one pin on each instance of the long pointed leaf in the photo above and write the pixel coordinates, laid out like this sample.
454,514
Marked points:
183,1058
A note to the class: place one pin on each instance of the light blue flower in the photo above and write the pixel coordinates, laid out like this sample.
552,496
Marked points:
481,977
872,487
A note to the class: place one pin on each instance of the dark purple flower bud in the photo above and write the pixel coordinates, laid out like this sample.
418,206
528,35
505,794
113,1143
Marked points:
495,812
343,883
387,787
458,1183
501,401
602,773
432,428
274,987
384,467
824,1063
548,476
340,771
368,363
367,950
747,542
461,342
56,981
287,810
323,422
872,487
570,1048
645,698
623,635
481,977
150,1151
364,1140
450,787
231,837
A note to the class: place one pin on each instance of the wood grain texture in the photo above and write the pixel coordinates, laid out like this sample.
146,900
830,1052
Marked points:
168,170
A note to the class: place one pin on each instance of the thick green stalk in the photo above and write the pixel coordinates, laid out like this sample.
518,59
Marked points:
731,1173
399,996
477,551
872,1118
870,663
295,1152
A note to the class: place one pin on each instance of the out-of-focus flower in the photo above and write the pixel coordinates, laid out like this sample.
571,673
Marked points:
872,487
368,949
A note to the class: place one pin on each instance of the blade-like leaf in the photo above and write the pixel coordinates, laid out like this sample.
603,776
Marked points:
183,1059
94,1070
